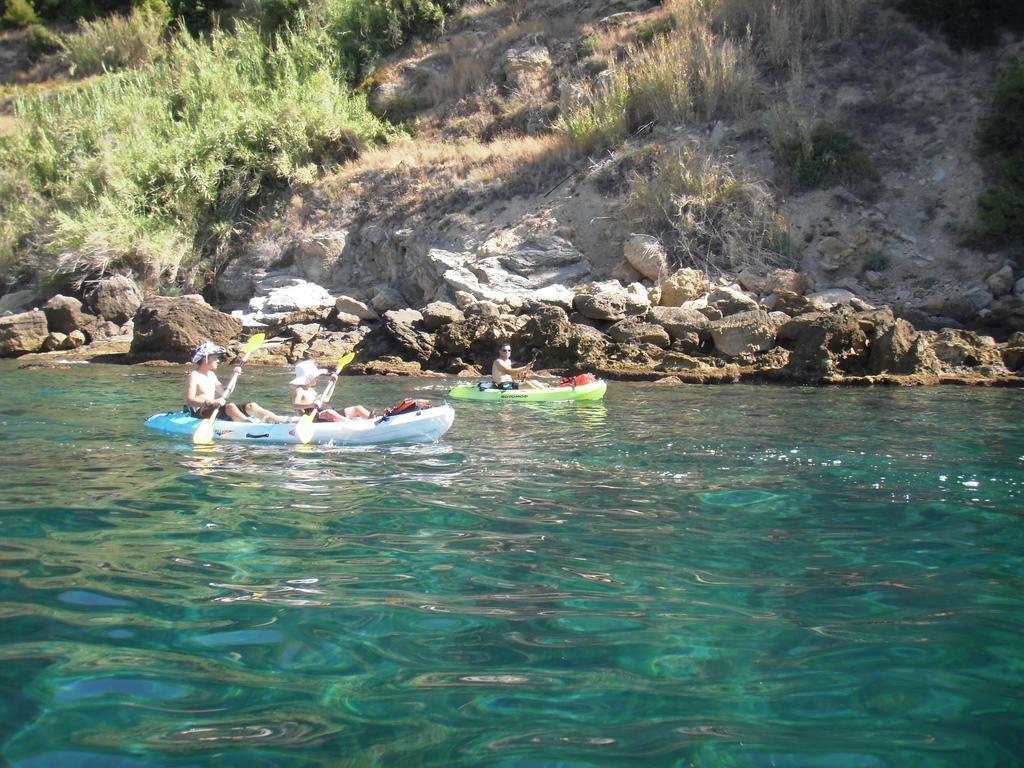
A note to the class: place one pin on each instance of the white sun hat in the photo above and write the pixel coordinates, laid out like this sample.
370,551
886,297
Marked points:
207,349
305,372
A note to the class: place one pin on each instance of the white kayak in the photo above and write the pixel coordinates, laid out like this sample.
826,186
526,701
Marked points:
417,426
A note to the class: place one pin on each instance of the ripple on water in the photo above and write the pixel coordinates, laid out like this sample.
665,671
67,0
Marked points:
648,581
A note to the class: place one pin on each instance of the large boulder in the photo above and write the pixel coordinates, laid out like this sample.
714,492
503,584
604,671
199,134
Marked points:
959,351
510,268
438,313
474,341
1008,312
610,301
632,330
410,341
730,300
1013,352
349,306
684,326
317,257
745,332
682,286
560,343
281,294
115,298
64,314
962,303
527,68
824,345
22,333
897,348
1001,282
386,298
823,301
18,301
647,256
171,328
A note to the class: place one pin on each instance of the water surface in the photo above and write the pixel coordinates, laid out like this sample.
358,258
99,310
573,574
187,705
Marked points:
707,576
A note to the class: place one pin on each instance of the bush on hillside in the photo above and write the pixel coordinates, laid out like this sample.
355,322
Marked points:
967,23
829,156
115,42
714,219
41,40
20,13
1000,218
152,170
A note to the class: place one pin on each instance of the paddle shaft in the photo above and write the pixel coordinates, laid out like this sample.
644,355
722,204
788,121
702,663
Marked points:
329,389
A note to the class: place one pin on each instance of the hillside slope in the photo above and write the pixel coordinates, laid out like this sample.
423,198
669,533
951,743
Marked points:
483,164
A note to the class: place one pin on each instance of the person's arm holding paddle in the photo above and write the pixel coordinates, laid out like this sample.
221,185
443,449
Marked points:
312,407
204,390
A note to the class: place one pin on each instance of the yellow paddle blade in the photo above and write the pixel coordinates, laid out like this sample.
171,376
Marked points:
345,360
304,429
253,344
204,432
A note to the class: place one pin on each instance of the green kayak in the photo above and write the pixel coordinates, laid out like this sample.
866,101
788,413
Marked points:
592,391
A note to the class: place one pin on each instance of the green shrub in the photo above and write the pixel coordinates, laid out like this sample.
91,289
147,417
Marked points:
876,261
152,170
42,41
20,13
1000,218
114,42
830,156
648,32
967,23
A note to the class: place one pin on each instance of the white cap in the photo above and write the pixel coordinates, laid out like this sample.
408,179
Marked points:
207,349
305,372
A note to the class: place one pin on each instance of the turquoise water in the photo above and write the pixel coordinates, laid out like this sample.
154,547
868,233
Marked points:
693,576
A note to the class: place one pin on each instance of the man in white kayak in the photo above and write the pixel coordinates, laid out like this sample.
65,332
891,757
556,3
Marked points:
204,392
504,373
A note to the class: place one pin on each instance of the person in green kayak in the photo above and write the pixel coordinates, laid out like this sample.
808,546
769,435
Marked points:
204,392
304,394
504,373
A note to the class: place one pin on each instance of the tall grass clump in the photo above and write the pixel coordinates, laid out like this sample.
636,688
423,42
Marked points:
699,63
714,219
687,74
781,29
1000,217
152,170
115,42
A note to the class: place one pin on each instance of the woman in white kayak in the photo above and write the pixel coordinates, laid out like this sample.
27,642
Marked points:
204,392
304,395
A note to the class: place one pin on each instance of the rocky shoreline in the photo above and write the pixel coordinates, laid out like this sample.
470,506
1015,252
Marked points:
678,328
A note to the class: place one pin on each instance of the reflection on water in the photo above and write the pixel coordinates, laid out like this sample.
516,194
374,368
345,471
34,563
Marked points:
730,576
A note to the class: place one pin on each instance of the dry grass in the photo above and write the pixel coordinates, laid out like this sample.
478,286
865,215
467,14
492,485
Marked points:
700,64
713,218
419,174
690,74
781,29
